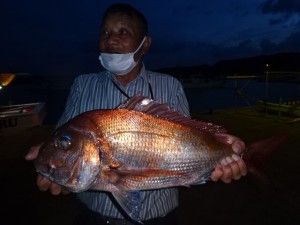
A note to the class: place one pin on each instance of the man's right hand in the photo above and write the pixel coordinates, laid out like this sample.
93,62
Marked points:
43,183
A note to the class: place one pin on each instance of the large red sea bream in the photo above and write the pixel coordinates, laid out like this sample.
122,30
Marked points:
141,145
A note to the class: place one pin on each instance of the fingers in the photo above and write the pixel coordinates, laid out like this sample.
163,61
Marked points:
217,174
33,152
227,169
230,168
242,168
238,146
44,184
55,189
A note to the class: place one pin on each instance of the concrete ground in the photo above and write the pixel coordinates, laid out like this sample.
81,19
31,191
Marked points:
247,201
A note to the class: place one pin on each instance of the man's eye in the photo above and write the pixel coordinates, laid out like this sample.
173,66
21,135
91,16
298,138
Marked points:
123,31
104,33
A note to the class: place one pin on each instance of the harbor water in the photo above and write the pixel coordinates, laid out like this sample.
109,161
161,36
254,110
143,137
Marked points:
242,93
234,93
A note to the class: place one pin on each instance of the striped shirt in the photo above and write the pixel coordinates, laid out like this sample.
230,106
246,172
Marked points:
97,91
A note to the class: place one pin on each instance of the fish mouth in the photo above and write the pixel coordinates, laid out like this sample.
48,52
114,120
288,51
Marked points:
52,176
50,173
42,168
45,174
45,170
58,176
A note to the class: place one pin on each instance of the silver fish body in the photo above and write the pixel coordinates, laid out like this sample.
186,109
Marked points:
138,151
139,146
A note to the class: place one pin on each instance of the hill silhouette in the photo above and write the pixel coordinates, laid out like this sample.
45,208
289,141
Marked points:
283,62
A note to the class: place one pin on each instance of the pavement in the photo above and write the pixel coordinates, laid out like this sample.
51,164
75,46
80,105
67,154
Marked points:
247,201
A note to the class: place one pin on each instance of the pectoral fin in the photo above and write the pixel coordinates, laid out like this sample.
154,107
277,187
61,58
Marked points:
131,202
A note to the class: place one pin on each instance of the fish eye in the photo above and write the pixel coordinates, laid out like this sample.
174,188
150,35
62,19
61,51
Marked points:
64,142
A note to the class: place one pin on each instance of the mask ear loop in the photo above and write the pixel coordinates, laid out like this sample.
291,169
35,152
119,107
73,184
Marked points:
143,41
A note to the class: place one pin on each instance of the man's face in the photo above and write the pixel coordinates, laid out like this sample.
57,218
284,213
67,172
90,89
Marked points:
119,34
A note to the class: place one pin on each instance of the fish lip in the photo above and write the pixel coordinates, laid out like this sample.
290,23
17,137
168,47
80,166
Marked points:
51,176
44,174
47,171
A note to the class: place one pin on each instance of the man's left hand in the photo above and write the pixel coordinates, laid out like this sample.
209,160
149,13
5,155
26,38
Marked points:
233,167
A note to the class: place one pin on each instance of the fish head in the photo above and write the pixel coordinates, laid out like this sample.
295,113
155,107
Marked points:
70,157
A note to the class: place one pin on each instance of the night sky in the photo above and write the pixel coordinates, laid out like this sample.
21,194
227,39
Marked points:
61,37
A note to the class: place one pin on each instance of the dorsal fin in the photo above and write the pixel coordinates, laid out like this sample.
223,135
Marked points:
163,111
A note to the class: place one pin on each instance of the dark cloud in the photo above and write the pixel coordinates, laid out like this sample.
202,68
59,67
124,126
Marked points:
192,7
290,44
164,54
282,10
280,19
245,48
45,38
281,6
248,48
267,46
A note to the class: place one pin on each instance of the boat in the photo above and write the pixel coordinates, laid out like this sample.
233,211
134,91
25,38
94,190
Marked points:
16,118
291,108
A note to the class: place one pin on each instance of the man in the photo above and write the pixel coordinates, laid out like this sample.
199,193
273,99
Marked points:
124,40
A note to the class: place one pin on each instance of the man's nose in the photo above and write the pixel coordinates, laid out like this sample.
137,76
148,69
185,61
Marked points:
112,39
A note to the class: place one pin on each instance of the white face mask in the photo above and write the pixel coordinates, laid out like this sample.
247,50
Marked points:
119,64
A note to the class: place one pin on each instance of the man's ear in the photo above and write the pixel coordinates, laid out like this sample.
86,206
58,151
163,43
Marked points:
146,45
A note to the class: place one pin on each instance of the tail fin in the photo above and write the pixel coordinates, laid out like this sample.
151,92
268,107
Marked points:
259,151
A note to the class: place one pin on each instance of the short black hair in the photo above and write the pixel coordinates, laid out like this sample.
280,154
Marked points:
129,11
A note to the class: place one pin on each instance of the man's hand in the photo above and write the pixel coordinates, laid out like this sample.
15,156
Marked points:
43,183
231,168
